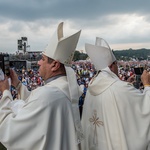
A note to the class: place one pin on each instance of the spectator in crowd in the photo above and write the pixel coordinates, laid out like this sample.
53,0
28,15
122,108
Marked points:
116,116
84,72
49,117
81,102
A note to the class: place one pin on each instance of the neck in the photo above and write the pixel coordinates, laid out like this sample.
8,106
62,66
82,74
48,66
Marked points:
52,78
55,75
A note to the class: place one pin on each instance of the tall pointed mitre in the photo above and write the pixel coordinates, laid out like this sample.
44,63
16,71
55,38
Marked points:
100,54
62,48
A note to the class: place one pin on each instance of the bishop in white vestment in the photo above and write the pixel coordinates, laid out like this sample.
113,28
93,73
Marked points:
48,117
116,116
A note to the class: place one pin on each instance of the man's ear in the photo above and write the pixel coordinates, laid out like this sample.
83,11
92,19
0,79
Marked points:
111,67
55,65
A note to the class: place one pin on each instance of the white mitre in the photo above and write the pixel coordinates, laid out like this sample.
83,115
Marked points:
100,54
62,48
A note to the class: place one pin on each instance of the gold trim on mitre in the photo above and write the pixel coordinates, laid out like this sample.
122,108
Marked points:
62,48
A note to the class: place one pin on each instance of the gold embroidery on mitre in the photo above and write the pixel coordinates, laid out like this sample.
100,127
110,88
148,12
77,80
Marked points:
68,61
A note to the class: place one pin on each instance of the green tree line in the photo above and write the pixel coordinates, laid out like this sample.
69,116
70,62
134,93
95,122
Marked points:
140,54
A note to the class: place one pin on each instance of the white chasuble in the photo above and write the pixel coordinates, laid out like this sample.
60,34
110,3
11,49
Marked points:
44,122
116,116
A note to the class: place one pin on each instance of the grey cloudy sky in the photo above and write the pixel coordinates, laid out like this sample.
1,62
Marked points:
123,24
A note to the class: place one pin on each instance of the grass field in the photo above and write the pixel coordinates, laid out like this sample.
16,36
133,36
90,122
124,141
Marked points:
2,147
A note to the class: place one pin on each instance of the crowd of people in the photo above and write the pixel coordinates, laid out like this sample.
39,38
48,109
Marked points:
84,70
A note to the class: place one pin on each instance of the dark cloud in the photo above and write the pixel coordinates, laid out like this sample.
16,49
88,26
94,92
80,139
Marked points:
91,9
94,17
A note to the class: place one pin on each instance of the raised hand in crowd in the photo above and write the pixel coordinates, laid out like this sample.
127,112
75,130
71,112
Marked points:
131,79
4,85
14,78
145,78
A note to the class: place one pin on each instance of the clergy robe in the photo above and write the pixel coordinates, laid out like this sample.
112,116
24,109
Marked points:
116,116
44,122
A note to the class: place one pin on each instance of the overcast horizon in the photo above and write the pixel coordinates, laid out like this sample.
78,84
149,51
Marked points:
123,24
